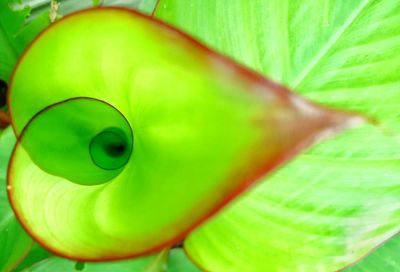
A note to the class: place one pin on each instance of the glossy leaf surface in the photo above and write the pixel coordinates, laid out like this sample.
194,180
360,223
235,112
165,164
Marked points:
90,146
204,130
337,202
14,242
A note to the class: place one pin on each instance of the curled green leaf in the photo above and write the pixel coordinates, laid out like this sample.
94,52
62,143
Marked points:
61,148
204,130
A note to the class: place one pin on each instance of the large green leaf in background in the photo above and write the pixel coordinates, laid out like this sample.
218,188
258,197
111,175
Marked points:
334,204
14,242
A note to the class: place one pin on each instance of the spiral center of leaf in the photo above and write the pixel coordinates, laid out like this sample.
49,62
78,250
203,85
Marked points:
109,149
84,140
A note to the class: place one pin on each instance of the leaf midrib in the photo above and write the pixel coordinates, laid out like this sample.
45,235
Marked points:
328,46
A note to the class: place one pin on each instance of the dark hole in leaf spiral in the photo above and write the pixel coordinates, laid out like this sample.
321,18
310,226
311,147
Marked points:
109,149
115,150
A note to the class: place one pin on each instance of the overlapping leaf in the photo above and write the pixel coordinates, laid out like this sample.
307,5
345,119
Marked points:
331,206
